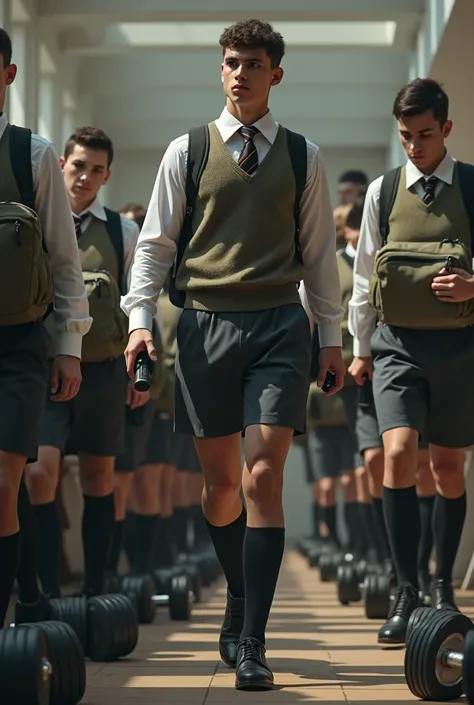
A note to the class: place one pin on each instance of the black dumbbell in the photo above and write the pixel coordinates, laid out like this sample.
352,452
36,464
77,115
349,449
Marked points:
351,578
141,590
377,592
66,659
25,669
174,590
439,656
107,625
328,565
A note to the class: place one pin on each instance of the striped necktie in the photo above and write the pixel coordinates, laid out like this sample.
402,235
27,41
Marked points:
429,185
248,157
78,220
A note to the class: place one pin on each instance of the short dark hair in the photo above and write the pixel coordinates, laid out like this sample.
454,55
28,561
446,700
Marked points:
254,34
5,47
92,138
137,210
354,176
421,96
354,217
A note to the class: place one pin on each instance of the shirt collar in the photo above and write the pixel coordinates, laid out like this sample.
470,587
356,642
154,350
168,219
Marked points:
3,124
228,125
444,172
96,209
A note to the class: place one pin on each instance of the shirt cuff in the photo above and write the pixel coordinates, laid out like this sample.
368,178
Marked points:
140,318
362,347
69,343
330,335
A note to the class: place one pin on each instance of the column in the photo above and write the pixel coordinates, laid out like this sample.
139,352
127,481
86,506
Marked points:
18,89
46,106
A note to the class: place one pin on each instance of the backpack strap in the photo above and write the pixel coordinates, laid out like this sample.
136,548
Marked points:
198,153
466,184
114,230
388,193
20,157
298,151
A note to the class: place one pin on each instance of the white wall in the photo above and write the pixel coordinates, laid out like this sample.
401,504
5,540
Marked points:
134,172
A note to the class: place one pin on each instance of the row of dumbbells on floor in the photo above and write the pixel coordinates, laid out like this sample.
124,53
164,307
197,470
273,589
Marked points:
42,655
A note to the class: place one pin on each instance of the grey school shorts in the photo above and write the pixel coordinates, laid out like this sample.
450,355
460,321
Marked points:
138,423
187,457
332,451
24,383
424,380
94,421
160,449
350,396
235,370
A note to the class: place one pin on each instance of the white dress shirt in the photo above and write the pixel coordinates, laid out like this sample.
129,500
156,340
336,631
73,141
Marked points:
71,308
362,317
156,246
130,232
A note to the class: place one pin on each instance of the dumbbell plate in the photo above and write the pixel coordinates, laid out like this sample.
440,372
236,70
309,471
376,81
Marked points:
376,596
427,675
347,584
25,670
140,589
468,668
180,597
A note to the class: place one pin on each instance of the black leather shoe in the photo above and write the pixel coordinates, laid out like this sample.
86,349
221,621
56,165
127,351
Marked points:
393,632
443,596
35,612
252,672
231,629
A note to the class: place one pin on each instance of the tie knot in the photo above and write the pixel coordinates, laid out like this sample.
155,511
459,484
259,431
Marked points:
431,182
248,132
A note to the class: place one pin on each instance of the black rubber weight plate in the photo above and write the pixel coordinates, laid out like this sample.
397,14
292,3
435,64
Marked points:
140,589
72,611
420,615
66,656
377,596
112,627
23,657
179,599
347,584
421,655
468,668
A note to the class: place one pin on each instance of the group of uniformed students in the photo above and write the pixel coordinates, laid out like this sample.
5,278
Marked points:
240,235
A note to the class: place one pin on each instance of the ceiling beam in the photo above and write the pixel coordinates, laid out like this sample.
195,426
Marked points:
147,133
182,69
124,10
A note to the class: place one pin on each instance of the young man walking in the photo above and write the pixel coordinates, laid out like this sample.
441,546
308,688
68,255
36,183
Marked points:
243,338
30,176
413,270
92,425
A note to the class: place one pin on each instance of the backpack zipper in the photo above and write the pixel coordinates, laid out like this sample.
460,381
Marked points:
449,260
17,225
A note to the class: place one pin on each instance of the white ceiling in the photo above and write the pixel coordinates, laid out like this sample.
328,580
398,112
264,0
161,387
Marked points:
151,67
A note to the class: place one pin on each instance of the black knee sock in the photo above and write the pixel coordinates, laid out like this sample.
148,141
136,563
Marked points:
263,553
448,523
316,515
115,548
381,529
426,506
229,544
27,574
9,559
127,537
49,547
98,522
180,528
328,515
352,520
402,518
145,529
201,534
164,553
366,527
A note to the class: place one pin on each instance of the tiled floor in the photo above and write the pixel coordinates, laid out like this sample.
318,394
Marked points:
319,651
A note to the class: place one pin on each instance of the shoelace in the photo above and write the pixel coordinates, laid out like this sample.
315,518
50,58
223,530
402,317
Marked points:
251,648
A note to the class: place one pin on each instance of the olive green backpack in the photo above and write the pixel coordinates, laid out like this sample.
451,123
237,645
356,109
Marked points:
108,335
400,288
26,283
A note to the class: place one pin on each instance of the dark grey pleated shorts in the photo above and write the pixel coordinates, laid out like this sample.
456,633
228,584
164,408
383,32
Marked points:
24,382
138,423
235,370
350,399
160,450
94,421
187,457
424,380
332,451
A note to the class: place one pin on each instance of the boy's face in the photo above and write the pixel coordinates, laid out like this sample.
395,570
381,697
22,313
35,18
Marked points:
85,172
247,76
349,192
422,137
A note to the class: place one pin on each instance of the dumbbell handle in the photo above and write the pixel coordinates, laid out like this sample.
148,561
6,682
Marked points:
452,659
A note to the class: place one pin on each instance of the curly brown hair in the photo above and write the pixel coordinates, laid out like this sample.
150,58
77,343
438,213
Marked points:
254,34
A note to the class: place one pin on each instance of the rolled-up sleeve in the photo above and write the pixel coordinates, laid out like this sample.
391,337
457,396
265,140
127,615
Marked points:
71,307
318,247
